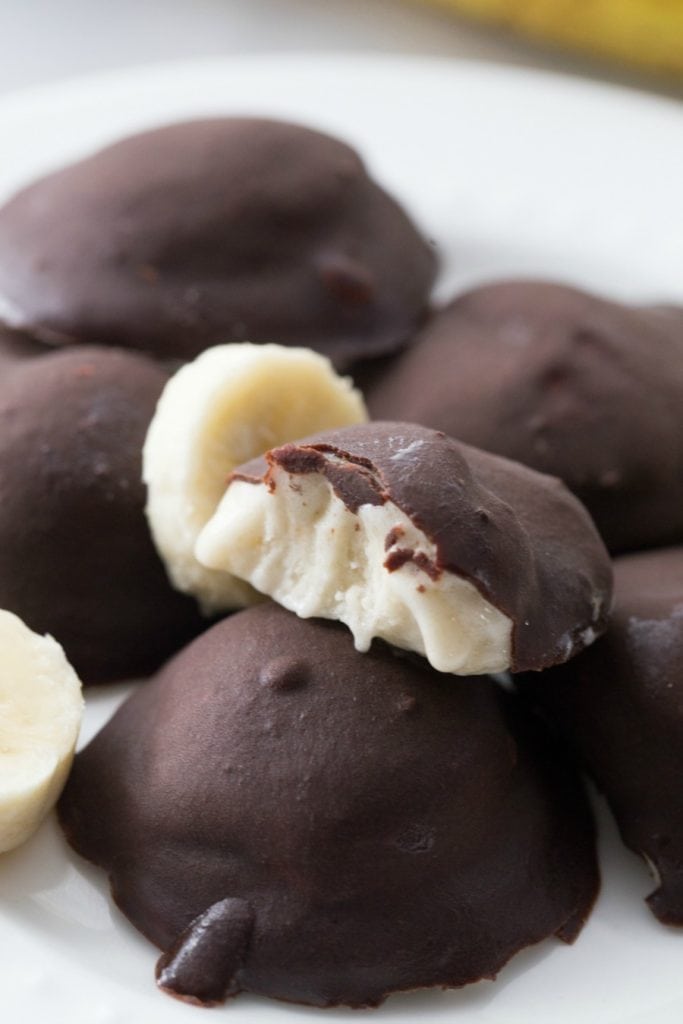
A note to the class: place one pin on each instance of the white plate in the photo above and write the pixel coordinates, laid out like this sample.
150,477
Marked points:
511,173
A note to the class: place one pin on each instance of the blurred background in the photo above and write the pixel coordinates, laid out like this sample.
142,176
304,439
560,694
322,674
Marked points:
633,42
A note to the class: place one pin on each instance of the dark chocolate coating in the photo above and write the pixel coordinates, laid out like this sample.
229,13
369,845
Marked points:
519,536
621,706
76,556
15,348
201,964
213,231
563,381
289,817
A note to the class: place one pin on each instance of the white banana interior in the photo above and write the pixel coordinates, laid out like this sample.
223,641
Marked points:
228,406
301,545
40,714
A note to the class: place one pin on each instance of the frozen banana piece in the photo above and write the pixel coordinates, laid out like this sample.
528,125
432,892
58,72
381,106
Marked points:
648,33
40,715
225,408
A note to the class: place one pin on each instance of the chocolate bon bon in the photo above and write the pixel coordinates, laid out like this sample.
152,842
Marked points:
76,557
283,815
212,231
477,562
563,381
620,704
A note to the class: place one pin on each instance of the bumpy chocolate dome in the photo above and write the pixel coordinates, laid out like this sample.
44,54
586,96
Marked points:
621,705
568,383
76,557
286,816
212,231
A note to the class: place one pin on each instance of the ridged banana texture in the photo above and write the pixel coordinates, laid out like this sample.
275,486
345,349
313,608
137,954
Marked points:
40,714
648,33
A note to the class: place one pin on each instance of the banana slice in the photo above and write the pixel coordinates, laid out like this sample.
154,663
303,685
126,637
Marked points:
40,714
645,32
225,408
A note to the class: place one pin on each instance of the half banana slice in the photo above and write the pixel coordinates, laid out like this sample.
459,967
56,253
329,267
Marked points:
40,714
228,406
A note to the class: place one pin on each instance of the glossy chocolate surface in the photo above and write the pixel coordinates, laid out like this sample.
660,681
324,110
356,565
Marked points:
213,231
621,706
283,815
563,381
76,557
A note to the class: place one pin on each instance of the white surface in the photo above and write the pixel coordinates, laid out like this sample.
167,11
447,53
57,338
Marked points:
44,40
509,172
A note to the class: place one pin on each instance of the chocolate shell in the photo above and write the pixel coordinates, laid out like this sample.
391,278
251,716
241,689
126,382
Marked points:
213,231
620,704
477,562
16,347
284,816
76,557
563,381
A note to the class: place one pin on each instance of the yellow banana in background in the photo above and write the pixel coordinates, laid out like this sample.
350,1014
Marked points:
644,32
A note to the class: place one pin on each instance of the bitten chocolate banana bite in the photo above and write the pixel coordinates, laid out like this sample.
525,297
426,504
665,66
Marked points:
213,231
620,704
76,557
402,533
563,381
285,816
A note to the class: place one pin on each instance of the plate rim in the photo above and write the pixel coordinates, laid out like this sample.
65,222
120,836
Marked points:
63,91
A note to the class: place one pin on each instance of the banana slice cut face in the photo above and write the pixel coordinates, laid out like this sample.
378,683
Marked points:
40,714
228,406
